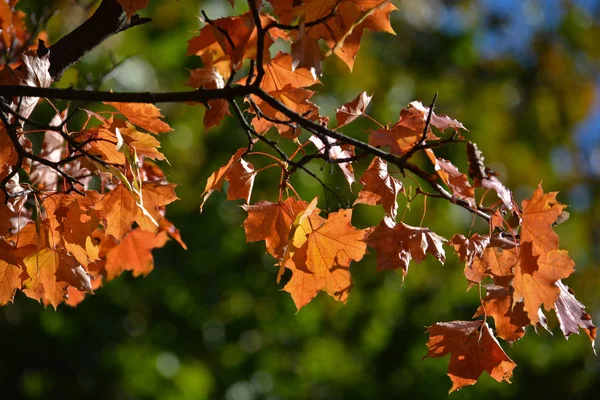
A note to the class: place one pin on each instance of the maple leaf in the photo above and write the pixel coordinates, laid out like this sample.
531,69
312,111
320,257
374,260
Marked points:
296,99
72,219
352,110
306,53
510,319
271,222
536,278
442,122
473,349
380,187
572,316
50,273
484,177
120,209
207,77
143,143
284,9
132,6
539,213
404,135
10,281
172,231
280,74
469,250
337,151
397,244
8,153
453,178
103,143
12,26
134,253
144,115
42,176
285,84
32,72
76,296
224,52
241,180
240,177
320,253
343,31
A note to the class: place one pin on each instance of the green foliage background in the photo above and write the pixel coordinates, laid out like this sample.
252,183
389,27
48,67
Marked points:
211,322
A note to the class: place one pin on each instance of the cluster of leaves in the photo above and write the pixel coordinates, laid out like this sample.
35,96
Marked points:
90,204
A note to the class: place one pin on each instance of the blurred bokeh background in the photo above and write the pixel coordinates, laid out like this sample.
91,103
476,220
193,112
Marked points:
211,322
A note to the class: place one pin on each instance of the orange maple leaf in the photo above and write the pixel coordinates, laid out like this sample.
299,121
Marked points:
405,134
144,115
240,177
10,281
536,278
272,223
134,253
50,273
320,253
539,213
510,319
473,349
120,209
343,31
380,187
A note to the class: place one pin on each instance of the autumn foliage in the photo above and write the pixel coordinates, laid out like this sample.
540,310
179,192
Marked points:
90,204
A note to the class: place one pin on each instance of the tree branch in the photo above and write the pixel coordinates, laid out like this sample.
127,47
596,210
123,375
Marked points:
108,20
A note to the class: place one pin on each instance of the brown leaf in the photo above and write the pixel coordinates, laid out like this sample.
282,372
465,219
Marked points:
352,110
453,178
484,177
42,176
572,316
306,53
442,122
207,77
216,111
473,349
397,244
380,187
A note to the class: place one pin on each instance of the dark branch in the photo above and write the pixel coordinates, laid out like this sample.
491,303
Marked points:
108,20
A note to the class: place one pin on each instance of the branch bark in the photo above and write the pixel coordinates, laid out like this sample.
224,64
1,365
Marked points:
108,20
